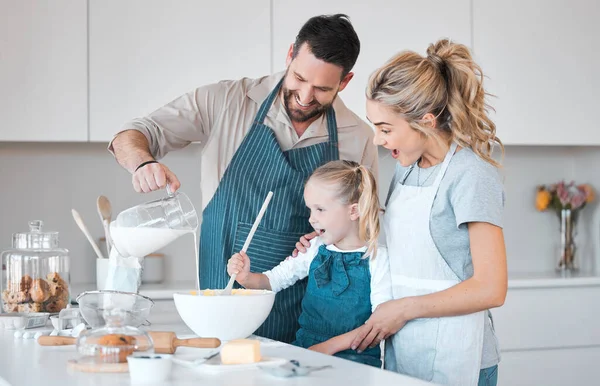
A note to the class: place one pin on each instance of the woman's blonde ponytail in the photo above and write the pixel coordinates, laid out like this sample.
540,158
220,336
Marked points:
448,84
469,122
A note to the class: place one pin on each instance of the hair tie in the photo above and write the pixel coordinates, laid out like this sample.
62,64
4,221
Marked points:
144,164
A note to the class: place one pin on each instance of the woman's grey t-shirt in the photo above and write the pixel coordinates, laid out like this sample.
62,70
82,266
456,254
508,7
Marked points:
470,191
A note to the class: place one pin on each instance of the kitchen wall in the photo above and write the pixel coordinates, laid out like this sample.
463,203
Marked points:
45,180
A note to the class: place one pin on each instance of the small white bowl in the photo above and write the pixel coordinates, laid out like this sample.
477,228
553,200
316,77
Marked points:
150,368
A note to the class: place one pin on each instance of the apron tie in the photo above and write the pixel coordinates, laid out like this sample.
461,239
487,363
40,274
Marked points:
333,269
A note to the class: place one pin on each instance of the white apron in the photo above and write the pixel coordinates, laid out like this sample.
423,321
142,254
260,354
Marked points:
441,350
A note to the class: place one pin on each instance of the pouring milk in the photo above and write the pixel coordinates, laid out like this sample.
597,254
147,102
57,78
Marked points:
148,227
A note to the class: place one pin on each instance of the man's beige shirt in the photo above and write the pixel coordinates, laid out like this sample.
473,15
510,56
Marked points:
218,117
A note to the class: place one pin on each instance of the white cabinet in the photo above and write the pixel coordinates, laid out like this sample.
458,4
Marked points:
549,336
43,70
550,367
145,53
542,60
383,27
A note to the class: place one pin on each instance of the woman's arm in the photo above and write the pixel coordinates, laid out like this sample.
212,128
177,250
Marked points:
485,289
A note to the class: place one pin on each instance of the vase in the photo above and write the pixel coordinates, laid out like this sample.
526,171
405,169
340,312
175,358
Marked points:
568,248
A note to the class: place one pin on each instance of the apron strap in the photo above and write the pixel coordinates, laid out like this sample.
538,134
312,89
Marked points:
444,167
330,115
395,179
266,105
438,178
332,126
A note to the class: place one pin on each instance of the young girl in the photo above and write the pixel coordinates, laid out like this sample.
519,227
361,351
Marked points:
348,275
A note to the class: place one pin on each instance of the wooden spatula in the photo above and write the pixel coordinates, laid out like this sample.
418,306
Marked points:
164,342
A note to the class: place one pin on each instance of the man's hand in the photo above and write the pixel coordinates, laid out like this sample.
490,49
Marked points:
154,176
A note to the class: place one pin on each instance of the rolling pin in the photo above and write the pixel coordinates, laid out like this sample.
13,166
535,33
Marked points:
167,342
164,342
47,340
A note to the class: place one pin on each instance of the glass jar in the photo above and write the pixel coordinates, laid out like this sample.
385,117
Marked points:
35,272
113,342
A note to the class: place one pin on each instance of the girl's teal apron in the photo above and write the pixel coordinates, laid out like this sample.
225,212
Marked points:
337,300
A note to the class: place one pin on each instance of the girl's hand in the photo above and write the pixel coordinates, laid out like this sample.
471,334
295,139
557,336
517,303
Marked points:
387,320
323,348
239,264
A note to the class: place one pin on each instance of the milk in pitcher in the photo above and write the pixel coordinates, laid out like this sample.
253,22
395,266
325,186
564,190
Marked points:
142,241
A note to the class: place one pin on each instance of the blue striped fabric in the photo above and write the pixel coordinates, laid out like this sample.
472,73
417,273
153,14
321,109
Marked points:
260,166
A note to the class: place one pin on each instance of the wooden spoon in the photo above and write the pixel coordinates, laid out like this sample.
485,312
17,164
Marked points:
229,287
105,212
86,232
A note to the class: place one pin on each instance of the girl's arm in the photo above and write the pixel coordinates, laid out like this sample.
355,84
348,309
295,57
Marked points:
289,271
337,343
256,281
281,277
484,290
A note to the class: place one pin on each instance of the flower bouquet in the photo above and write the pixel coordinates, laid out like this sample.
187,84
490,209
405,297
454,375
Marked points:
566,200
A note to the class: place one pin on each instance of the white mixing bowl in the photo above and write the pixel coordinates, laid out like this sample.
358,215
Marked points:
224,317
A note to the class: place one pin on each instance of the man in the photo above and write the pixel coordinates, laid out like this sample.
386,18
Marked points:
258,135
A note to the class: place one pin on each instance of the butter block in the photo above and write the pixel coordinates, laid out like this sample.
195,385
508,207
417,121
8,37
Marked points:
240,351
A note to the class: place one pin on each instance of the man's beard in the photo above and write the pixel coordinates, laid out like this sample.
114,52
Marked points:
297,115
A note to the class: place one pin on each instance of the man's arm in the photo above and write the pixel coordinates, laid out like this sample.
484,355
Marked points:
131,149
187,119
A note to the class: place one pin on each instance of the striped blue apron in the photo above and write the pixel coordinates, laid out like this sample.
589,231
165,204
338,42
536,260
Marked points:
259,166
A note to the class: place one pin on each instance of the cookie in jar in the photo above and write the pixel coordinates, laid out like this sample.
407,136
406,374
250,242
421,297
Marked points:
36,272
42,295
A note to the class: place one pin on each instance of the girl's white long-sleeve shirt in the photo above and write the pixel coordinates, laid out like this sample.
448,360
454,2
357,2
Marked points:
293,269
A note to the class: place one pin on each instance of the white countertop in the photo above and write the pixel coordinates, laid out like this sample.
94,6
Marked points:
25,363
552,279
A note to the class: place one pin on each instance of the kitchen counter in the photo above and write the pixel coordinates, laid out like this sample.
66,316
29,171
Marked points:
25,363
553,279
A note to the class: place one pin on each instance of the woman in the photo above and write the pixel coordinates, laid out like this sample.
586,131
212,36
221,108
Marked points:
443,218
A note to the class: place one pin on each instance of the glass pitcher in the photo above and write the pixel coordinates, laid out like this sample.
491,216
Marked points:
146,228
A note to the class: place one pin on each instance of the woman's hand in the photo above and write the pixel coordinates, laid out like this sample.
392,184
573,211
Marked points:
387,319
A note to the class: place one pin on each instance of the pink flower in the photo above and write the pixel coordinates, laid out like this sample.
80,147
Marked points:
577,200
562,193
